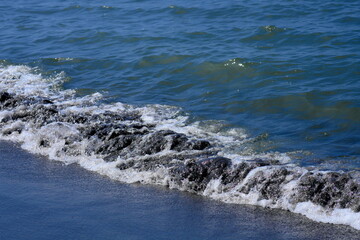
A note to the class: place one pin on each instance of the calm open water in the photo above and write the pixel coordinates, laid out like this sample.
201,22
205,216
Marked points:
288,72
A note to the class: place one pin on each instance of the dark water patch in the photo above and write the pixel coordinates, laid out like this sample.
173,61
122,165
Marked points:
179,10
148,38
157,61
302,106
350,20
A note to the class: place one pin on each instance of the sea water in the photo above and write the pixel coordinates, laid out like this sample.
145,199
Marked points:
275,80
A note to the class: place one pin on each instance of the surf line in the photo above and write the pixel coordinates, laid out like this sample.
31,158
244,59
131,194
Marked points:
117,141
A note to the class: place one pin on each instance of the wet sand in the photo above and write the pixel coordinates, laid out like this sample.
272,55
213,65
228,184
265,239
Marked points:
43,199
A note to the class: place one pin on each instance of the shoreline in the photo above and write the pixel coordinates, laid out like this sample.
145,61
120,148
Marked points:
150,145
54,196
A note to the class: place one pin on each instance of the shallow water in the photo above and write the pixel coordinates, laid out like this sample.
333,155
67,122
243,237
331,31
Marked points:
42,199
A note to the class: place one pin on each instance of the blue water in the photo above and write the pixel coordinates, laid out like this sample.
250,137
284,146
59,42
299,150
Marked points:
288,71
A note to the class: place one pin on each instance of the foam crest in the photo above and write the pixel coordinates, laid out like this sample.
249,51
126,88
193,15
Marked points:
158,144
23,80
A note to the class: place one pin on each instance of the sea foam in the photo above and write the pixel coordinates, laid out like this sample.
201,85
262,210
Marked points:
157,144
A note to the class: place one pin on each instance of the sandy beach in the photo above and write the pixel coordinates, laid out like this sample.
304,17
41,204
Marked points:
42,199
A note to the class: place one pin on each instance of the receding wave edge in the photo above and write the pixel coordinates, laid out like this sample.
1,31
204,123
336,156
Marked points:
155,145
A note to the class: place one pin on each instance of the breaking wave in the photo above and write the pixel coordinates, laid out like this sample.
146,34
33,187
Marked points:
157,144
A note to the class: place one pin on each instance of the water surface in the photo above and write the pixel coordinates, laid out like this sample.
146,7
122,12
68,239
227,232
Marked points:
288,71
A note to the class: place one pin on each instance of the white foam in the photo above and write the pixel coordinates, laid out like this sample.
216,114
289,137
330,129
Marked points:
336,216
24,81
217,191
